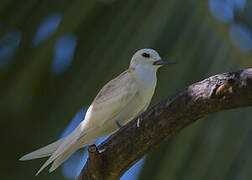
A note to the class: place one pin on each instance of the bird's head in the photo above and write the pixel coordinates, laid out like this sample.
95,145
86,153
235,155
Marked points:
149,58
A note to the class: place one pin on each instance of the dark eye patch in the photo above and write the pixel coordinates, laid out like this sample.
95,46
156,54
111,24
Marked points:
146,55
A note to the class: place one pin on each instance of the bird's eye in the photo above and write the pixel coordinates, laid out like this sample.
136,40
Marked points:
146,55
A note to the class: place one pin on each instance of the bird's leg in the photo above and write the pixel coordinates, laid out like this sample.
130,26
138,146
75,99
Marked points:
118,124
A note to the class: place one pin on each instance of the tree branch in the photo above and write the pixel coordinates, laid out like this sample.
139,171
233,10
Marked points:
116,155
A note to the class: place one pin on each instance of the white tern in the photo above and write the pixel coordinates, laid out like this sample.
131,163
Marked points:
117,103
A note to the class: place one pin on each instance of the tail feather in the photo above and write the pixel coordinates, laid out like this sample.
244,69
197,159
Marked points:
60,150
42,152
57,162
85,140
66,148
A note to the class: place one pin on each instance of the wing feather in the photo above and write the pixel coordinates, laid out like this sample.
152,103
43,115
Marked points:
113,97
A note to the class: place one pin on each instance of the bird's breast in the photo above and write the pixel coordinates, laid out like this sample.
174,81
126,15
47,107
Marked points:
146,82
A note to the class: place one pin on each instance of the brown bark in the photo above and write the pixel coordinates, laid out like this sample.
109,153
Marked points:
116,155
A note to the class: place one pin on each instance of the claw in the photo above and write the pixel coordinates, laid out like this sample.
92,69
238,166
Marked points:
118,124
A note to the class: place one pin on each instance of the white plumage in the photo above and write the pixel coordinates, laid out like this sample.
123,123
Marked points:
118,102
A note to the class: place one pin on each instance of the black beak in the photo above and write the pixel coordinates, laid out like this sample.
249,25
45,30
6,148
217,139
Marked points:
161,62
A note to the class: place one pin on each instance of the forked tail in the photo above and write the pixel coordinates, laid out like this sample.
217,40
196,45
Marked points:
58,151
42,152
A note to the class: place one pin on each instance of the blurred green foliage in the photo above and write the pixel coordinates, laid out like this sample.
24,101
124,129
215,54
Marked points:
36,106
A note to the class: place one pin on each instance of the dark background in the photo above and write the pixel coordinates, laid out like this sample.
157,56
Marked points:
56,55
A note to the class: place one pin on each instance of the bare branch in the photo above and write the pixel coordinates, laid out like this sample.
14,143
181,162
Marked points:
116,155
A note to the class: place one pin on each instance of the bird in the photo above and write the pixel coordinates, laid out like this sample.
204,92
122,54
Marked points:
117,103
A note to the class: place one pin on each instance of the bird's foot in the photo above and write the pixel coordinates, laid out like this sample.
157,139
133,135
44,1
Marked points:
118,124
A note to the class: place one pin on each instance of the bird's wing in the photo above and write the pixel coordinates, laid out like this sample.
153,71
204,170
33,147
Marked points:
114,97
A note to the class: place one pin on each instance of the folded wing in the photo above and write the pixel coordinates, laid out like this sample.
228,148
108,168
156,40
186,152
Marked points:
113,98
